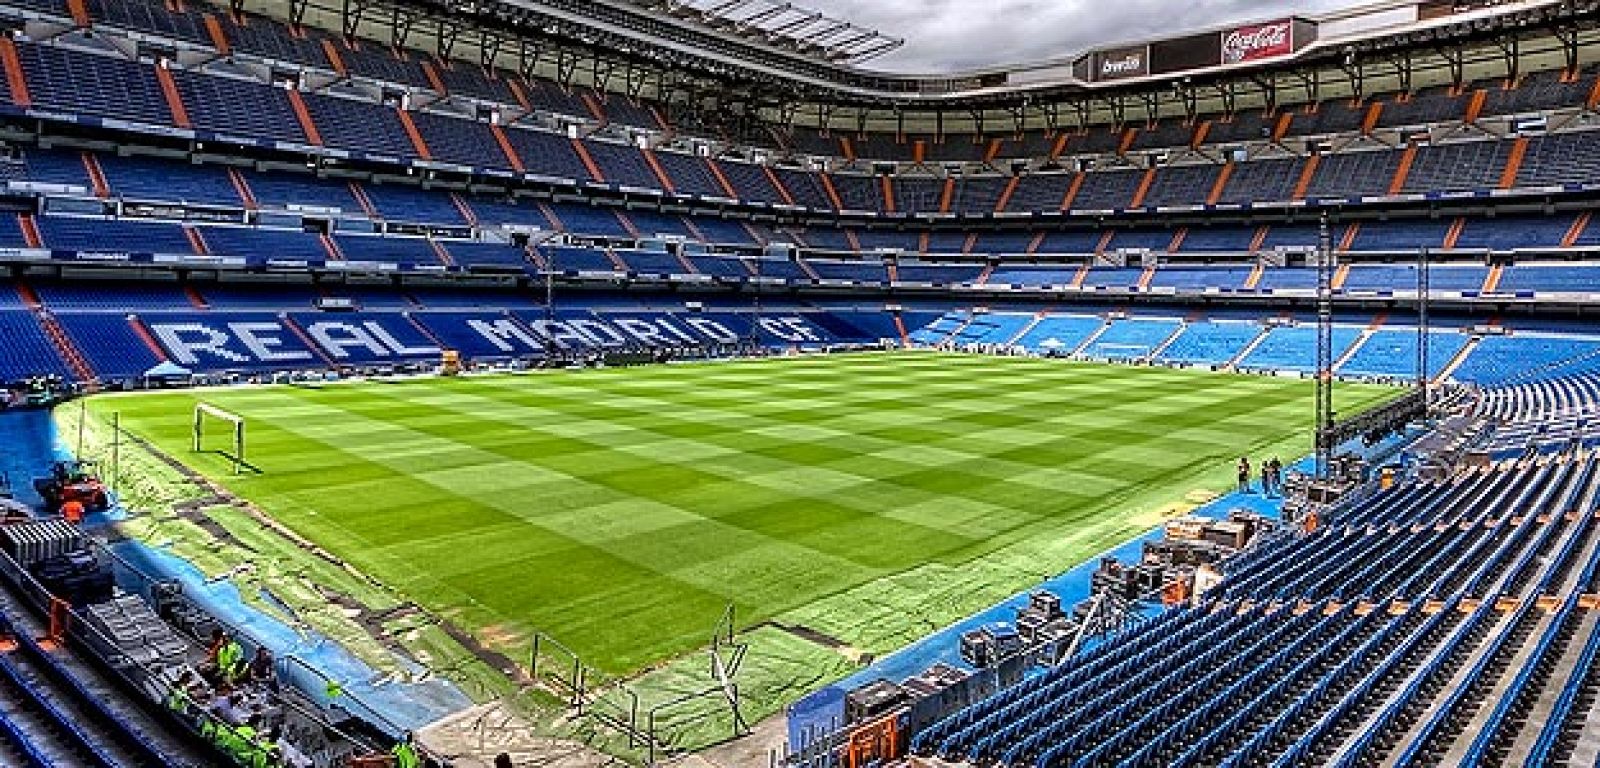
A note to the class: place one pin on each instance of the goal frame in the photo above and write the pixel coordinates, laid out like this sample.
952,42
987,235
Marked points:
198,433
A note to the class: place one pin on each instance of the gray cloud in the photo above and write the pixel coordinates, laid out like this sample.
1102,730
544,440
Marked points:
945,35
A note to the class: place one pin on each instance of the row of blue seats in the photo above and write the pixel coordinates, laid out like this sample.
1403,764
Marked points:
72,725
119,346
1285,680
350,242
105,84
179,181
1387,353
261,36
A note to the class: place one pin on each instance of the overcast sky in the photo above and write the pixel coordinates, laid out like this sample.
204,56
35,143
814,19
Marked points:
943,35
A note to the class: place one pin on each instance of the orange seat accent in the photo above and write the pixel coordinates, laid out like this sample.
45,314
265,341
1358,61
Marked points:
308,126
16,76
169,88
412,133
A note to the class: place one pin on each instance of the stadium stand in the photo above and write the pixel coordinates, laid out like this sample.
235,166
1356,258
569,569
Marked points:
251,199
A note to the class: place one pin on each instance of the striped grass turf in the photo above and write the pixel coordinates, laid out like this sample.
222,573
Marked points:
621,510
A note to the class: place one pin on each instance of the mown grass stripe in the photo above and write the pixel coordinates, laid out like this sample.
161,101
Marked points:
621,509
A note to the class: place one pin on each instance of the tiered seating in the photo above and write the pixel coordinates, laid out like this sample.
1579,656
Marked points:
457,140
1498,358
937,274
1182,185
547,154
362,338
241,108
589,220
263,241
1393,353
1354,174
857,192
750,182
1406,236
90,84
110,345
1561,158
1034,275
1505,233
1457,166
622,164
75,297
567,259
885,239
1132,339
1217,239
1552,278
940,329
1210,343
856,271
690,175
399,250
482,254
113,235
724,232
413,204
1340,646
359,126
25,350
281,189
1107,190
1264,179
1121,278
1295,349
720,266
1403,277
1060,333
651,262
1198,278
654,224
992,328
165,180
1040,192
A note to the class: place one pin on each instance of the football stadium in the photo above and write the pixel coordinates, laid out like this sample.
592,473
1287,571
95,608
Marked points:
389,384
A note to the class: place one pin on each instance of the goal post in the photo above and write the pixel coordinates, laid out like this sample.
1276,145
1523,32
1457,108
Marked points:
235,452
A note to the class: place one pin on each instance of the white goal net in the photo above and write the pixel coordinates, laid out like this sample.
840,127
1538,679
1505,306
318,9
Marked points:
232,426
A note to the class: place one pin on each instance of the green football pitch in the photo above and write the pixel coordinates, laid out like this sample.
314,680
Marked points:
620,511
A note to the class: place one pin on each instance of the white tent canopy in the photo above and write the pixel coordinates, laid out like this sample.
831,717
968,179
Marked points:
167,370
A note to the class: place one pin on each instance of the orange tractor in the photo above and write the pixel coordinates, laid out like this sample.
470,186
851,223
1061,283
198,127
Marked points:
73,482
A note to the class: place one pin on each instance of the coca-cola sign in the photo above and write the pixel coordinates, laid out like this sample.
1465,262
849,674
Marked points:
1258,41
1121,63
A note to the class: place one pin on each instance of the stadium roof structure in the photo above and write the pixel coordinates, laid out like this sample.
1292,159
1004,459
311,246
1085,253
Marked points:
754,63
786,24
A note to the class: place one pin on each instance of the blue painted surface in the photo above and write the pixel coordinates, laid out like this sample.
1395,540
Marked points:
29,444
27,449
392,705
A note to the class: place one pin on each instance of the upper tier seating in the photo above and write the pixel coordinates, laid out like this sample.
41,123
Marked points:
69,80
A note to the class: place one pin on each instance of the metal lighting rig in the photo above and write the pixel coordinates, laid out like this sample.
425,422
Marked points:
1424,292
1324,390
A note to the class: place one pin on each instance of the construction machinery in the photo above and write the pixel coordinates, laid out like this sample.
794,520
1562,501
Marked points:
73,482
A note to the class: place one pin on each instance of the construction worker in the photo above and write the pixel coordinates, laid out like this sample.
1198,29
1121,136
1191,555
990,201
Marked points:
405,753
180,699
230,658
